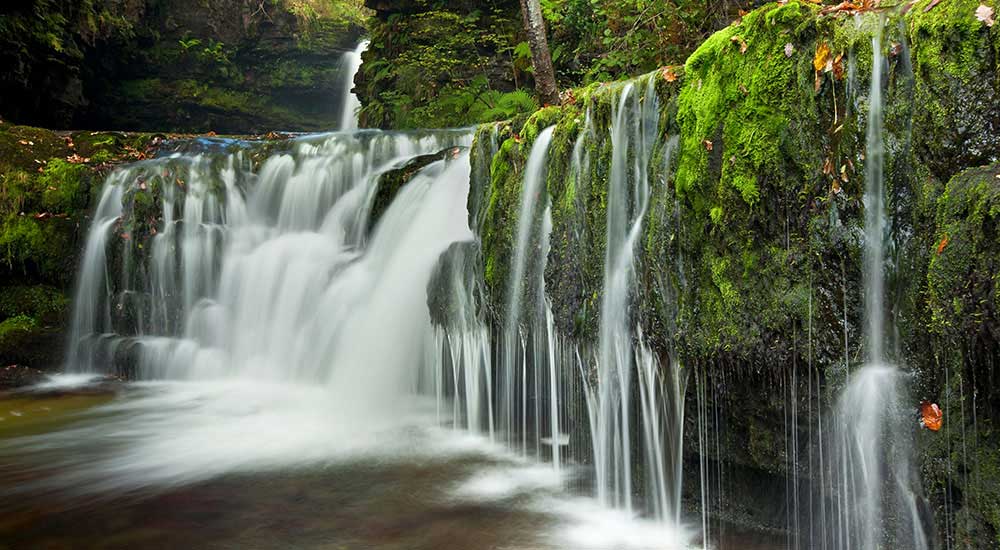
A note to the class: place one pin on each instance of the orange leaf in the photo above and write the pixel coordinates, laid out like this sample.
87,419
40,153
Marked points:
931,416
668,74
942,244
708,145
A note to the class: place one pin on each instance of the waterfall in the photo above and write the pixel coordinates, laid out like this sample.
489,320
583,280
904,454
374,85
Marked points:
634,129
871,463
513,377
227,271
350,63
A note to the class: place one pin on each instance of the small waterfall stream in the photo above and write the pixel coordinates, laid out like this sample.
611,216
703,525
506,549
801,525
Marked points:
874,499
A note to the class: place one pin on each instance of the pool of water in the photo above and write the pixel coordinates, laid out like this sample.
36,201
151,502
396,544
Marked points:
248,465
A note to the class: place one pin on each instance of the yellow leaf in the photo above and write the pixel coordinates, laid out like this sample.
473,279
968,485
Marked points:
822,56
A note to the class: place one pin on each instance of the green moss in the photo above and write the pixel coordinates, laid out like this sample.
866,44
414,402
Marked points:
738,106
964,272
42,302
15,327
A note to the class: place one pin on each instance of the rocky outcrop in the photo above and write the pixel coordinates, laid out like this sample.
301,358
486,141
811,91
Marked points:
749,267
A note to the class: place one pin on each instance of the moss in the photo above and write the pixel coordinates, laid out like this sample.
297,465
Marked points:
964,272
956,59
15,327
736,106
42,302
46,181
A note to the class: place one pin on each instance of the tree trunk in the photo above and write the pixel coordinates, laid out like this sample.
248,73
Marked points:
541,59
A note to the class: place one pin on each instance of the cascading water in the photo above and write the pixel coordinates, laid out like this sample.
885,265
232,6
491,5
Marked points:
873,492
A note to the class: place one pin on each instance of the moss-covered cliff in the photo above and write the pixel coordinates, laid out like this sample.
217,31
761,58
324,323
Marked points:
750,262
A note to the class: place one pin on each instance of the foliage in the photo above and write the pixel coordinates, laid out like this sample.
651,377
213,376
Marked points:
445,67
600,40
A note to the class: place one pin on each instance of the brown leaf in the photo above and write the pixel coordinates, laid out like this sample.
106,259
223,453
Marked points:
984,13
931,5
838,67
931,416
828,166
708,145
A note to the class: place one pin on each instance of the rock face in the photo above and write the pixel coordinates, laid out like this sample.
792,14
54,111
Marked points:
233,66
47,180
749,265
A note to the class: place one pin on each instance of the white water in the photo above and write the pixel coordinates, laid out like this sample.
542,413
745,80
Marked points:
350,63
278,329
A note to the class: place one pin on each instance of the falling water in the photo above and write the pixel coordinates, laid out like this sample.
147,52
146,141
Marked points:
874,211
228,271
871,470
513,377
350,63
634,127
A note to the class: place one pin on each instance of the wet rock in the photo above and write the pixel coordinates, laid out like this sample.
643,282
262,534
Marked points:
18,376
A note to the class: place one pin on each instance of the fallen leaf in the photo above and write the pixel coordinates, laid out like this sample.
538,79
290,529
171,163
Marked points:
738,40
708,145
895,49
789,49
835,187
941,245
838,67
668,74
931,416
822,56
843,173
984,13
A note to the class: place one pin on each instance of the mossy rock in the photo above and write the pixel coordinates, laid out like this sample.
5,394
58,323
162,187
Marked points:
392,181
964,272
